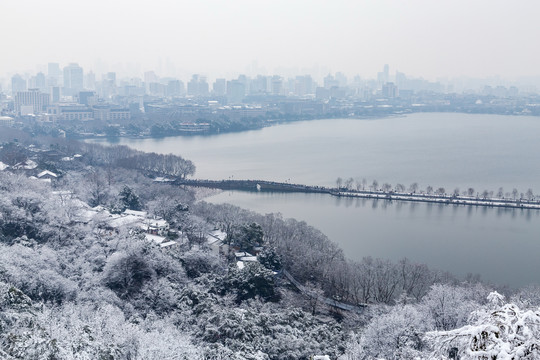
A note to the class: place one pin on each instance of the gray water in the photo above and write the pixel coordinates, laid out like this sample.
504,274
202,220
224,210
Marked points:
448,150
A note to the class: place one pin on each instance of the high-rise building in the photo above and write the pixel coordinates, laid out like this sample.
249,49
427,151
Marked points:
330,82
41,82
53,70
390,90
87,98
384,76
53,74
18,84
90,82
259,85
341,79
32,98
220,87
277,85
150,77
303,85
193,85
198,86
55,94
175,88
204,89
73,79
236,91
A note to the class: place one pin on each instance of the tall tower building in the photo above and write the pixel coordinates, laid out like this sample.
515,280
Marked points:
17,84
220,87
53,74
73,79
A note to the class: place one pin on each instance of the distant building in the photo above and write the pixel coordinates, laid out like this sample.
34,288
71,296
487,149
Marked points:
87,98
53,71
390,91
79,112
90,82
330,82
73,79
175,88
303,85
55,94
198,86
6,121
34,98
220,87
277,85
109,113
18,84
235,92
40,82
259,85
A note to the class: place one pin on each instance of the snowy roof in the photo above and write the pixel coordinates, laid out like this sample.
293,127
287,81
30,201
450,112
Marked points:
218,234
162,179
242,254
215,237
46,172
249,258
3,166
155,238
117,222
136,213
167,244
26,165
240,264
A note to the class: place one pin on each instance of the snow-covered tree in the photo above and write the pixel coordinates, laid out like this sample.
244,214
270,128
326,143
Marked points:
393,335
496,331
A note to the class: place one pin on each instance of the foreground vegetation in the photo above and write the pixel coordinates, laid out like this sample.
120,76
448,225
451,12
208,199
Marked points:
72,287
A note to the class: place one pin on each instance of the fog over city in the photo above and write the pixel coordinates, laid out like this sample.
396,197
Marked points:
431,39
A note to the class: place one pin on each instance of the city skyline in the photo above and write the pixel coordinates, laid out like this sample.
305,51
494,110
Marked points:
420,38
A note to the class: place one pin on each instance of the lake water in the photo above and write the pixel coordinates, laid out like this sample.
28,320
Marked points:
441,150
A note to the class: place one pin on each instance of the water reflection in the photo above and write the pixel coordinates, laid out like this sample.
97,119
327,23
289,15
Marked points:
456,238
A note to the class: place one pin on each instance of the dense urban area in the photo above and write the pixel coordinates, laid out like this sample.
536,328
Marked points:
69,101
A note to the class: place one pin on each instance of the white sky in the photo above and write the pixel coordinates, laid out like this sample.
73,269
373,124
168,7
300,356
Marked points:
429,38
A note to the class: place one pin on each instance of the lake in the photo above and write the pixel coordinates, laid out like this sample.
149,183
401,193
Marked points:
447,150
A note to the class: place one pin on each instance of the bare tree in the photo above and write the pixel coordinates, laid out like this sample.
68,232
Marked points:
429,189
339,182
97,188
348,183
515,193
470,191
413,188
358,184
500,193
441,191
529,194
456,192
386,187
375,185
400,188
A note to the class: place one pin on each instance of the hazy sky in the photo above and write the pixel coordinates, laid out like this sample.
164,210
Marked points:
429,38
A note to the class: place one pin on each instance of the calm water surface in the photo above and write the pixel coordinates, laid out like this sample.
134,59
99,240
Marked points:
448,150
